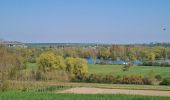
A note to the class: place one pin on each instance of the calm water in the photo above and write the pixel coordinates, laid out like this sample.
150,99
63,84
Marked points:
97,61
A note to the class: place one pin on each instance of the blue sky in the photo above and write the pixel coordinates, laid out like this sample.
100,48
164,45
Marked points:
89,21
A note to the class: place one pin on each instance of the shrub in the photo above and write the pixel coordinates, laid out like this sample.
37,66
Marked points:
166,64
118,77
55,75
147,81
133,79
31,59
126,67
39,75
165,81
48,61
109,79
4,85
155,63
148,63
158,77
102,62
76,67
150,78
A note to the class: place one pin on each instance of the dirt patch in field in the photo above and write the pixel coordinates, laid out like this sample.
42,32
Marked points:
84,90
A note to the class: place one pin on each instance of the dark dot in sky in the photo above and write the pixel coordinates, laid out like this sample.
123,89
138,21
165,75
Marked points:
164,29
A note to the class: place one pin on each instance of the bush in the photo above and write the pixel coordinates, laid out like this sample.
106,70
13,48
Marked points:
155,63
109,79
133,79
166,64
48,61
147,81
92,78
165,81
60,76
158,77
31,59
102,62
126,67
148,63
4,85
38,75
76,67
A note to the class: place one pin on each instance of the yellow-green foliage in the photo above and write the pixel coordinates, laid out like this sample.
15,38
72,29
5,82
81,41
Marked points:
80,67
70,65
60,63
48,61
76,66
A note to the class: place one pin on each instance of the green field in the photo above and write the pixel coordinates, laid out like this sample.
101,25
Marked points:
53,96
117,70
134,70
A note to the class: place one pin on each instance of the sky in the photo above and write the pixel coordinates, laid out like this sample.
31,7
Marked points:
85,21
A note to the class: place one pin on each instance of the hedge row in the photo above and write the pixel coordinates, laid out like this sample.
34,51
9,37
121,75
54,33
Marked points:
133,79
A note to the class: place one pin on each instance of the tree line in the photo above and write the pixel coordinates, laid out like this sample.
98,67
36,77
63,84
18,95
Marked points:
114,52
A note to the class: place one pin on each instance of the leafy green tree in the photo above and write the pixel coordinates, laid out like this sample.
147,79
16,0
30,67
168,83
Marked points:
49,61
76,67
164,54
150,56
60,64
113,55
104,53
70,65
102,61
80,67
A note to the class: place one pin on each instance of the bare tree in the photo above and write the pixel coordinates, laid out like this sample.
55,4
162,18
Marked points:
8,61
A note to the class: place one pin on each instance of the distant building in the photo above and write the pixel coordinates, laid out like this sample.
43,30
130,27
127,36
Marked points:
13,44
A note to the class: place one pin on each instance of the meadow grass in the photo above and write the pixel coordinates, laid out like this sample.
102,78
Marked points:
32,66
134,70
117,70
53,96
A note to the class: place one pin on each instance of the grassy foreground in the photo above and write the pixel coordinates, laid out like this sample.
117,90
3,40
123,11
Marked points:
53,96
